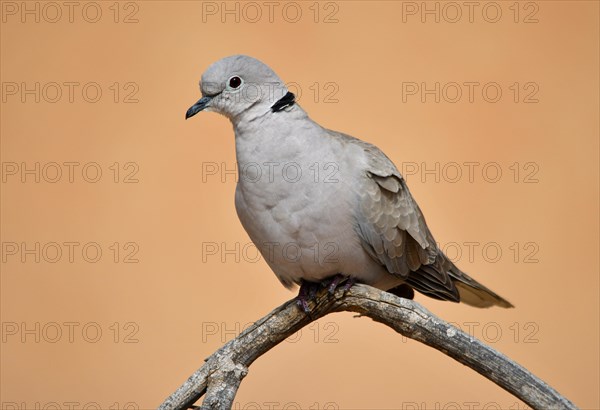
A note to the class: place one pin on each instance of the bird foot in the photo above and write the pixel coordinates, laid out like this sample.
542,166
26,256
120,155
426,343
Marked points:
337,280
308,290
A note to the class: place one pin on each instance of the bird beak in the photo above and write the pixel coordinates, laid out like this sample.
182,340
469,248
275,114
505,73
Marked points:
201,104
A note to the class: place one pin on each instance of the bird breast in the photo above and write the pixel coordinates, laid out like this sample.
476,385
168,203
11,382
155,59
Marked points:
295,206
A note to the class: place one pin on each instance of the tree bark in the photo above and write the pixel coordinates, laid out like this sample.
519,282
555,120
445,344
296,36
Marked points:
221,375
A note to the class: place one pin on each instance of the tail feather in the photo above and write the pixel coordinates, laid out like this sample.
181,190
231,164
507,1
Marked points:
474,293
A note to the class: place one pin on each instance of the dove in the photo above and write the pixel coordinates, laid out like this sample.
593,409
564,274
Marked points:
322,207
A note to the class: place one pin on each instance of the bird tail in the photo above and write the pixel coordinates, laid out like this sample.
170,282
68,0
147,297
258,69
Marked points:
474,293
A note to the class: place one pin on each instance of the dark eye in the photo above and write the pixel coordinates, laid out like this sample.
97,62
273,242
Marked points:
235,82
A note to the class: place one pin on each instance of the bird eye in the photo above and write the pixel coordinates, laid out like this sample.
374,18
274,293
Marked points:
235,82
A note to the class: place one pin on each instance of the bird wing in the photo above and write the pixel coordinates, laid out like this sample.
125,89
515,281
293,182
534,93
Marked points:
394,233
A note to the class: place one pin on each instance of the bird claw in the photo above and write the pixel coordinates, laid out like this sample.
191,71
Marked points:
348,284
303,304
337,280
308,290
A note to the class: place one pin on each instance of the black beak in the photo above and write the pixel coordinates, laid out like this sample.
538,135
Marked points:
199,106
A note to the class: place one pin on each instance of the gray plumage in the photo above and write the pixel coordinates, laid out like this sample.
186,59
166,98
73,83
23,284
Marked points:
317,202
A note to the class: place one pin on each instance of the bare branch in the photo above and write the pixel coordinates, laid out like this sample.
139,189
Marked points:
224,370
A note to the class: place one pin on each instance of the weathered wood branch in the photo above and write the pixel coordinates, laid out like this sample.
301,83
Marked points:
221,375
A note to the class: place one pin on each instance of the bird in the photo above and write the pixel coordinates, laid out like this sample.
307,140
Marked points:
323,207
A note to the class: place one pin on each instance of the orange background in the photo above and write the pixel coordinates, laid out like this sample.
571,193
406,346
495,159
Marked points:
176,304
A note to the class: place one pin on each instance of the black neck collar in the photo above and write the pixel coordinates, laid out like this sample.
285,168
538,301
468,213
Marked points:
286,101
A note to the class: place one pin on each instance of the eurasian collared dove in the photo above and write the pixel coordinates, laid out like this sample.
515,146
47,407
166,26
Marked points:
319,204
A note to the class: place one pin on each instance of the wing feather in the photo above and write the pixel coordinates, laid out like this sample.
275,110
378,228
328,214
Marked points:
393,232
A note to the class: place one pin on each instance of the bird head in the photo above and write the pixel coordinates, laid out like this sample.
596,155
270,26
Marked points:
238,86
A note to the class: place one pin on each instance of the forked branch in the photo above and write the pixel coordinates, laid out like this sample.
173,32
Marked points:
222,372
